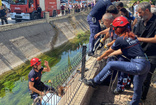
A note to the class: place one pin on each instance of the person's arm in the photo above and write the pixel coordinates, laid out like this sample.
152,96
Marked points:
105,37
134,22
117,52
147,40
102,32
32,88
106,53
111,43
47,69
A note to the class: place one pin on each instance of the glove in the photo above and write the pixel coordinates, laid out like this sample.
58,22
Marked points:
105,46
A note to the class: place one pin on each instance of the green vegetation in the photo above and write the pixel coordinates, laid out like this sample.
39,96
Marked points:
133,1
8,79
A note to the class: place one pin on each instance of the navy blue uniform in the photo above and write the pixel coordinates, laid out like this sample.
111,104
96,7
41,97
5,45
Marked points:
138,65
3,16
36,78
113,36
93,20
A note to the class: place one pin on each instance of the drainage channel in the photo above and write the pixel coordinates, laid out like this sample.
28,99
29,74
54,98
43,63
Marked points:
14,87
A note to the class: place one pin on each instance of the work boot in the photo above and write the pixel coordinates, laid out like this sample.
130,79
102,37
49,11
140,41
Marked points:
116,91
89,82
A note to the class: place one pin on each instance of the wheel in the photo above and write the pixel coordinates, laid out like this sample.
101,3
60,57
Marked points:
34,16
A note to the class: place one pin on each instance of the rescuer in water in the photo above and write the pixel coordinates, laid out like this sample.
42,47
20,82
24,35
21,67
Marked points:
36,86
128,45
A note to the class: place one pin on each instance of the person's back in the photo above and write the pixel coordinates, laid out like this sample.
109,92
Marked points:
3,12
100,8
93,20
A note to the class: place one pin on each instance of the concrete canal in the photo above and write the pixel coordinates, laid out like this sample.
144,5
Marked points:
14,84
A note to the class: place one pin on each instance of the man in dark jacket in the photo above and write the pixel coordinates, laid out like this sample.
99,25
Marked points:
146,32
3,16
39,10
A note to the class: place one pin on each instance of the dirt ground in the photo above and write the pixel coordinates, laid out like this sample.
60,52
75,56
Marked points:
104,96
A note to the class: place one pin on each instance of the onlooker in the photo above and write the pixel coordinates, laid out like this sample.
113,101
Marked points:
146,31
125,13
3,14
119,5
70,7
128,15
62,9
135,8
39,11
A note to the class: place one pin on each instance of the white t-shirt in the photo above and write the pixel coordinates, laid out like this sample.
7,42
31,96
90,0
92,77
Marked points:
50,99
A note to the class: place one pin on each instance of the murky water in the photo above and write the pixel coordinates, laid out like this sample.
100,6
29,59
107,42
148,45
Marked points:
14,91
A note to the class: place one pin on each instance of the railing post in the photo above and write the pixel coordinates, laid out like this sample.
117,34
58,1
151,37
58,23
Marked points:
83,61
46,16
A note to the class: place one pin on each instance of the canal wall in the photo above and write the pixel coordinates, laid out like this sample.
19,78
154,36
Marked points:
22,41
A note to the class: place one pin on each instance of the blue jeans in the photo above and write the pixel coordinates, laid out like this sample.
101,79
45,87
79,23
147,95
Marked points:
137,67
94,29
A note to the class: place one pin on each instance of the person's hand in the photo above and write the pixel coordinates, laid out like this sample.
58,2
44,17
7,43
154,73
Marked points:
96,35
106,57
46,63
42,94
99,59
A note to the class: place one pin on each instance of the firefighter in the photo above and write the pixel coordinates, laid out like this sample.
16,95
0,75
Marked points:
128,45
3,14
35,85
39,10
93,20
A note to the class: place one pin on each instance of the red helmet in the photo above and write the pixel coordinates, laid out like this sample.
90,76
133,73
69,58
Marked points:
120,21
35,61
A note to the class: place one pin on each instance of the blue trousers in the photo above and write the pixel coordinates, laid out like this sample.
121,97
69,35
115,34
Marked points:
122,77
94,29
137,67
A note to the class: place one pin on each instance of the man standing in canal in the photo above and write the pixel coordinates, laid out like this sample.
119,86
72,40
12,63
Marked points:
35,85
93,20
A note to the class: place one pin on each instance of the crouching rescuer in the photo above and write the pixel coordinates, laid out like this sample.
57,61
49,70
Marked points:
36,86
128,45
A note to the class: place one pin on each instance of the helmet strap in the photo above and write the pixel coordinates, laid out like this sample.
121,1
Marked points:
35,68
